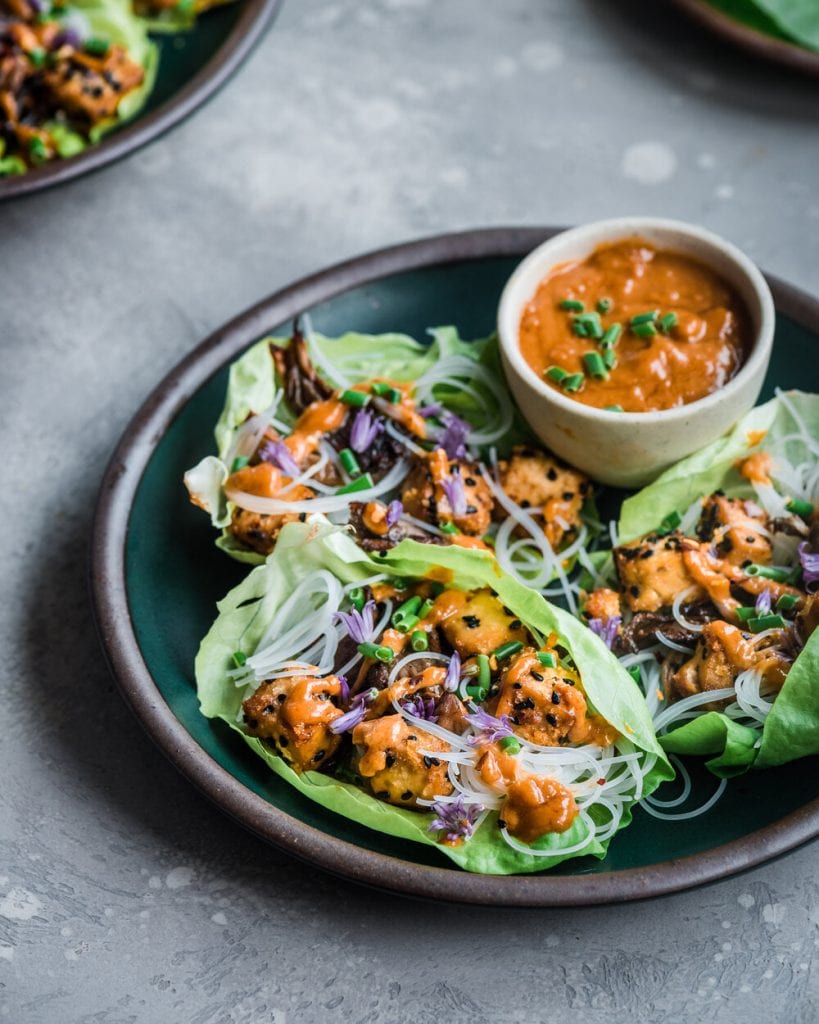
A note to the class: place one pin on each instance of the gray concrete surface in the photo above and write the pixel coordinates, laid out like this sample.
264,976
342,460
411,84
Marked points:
124,897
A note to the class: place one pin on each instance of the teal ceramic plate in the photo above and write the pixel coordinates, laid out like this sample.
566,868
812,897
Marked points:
192,66
156,577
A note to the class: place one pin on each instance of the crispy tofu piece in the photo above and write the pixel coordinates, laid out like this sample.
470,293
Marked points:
734,531
391,762
535,479
295,714
91,87
542,705
652,572
478,624
425,496
604,604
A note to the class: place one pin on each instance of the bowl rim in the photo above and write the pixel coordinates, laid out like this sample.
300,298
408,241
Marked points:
250,25
510,307
107,580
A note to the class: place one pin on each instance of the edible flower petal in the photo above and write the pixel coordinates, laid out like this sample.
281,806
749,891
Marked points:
420,708
456,818
453,672
453,438
763,603
360,625
606,629
487,728
365,430
432,409
278,453
394,512
453,487
809,560
350,719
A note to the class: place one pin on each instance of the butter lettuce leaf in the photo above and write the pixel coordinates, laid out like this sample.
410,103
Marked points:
791,729
316,545
794,20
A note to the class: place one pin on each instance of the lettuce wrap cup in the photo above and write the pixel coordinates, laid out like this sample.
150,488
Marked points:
284,611
768,467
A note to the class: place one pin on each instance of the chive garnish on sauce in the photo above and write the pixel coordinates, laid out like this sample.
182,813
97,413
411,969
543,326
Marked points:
604,305
595,367
611,336
573,305
573,382
667,321
557,374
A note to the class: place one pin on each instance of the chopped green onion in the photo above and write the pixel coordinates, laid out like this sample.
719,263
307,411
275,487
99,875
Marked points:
478,693
557,374
378,651
408,624
609,358
573,383
425,608
574,305
634,672
787,602
756,625
547,658
769,572
580,329
239,463
611,336
743,614
613,408
666,322
409,607
595,367
510,745
96,46
644,318
387,392
419,641
484,675
591,324
507,650
348,460
800,508
37,151
37,56
357,398
671,522
646,330
357,598
604,305
363,483
448,528
239,658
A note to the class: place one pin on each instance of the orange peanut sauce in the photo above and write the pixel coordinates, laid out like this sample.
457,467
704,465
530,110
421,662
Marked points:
679,364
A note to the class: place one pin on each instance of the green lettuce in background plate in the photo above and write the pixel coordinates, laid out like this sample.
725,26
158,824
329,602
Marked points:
795,21
253,382
306,548
791,729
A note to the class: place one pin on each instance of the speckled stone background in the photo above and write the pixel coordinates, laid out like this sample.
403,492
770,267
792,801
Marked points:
124,896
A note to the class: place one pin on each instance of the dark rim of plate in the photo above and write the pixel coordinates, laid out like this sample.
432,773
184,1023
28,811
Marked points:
254,18
108,584
750,39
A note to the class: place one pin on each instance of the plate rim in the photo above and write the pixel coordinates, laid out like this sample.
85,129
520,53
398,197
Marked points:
253,20
338,856
794,56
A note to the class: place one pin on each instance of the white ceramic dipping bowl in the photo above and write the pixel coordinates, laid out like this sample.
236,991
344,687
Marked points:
630,449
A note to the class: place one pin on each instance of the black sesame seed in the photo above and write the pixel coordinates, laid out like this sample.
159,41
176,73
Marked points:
551,719
281,697
515,624
390,760
537,675
551,473
470,481
568,495
407,795
634,590
472,621
471,510
555,697
517,686
284,741
525,503
320,755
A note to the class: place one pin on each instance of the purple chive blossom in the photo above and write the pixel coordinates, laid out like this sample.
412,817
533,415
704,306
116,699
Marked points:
433,409
455,819
420,708
453,439
488,729
358,709
359,624
763,603
453,672
453,487
606,629
344,695
277,453
394,512
365,430
809,561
